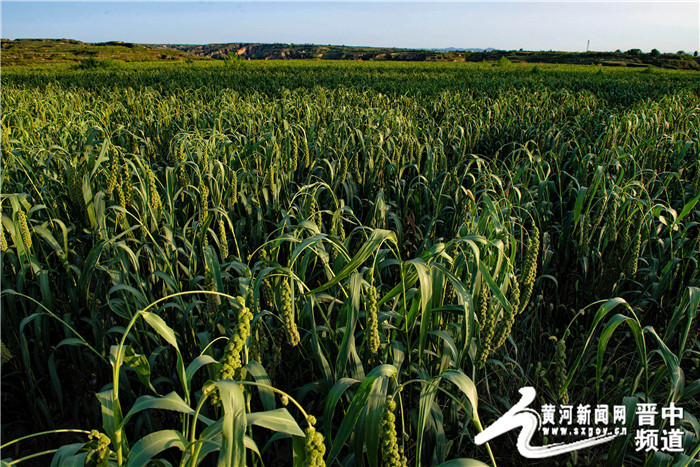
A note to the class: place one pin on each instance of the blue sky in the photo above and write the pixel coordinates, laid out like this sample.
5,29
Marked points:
562,25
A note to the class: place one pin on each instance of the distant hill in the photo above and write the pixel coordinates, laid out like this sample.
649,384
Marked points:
632,58
279,51
42,51
457,49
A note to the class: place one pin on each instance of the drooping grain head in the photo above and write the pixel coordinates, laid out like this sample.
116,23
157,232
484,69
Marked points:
204,196
288,317
223,242
154,200
528,272
24,229
372,321
314,446
231,362
3,241
391,457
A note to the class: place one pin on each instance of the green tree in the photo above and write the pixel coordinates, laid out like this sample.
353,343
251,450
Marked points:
232,58
503,61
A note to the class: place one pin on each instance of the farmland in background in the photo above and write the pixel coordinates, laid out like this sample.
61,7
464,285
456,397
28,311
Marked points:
278,262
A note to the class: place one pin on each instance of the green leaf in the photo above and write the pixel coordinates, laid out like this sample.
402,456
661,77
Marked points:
352,309
279,420
349,422
299,451
426,292
153,444
691,390
605,336
493,288
250,443
110,419
77,460
384,370
195,365
447,339
139,363
89,204
619,445
373,244
425,403
466,385
373,418
332,399
267,395
166,332
232,452
687,208
74,341
463,462
659,459
159,326
209,441
171,401
603,310
212,260
49,238
687,309
672,366
579,204
64,452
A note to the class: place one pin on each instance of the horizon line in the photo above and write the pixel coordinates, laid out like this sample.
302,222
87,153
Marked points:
427,49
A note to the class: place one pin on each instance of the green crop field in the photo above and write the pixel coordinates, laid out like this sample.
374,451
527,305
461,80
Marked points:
323,263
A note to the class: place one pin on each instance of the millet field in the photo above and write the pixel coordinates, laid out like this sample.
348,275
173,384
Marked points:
343,263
